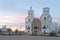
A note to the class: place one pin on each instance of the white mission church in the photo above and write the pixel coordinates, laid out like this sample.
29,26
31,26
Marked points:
45,18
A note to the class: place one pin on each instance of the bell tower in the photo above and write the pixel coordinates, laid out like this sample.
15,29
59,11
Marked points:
29,20
46,19
30,12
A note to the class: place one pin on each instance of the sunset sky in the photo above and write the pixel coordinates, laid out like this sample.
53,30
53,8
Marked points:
14,12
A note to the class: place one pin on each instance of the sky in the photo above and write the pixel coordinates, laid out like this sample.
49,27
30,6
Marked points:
14,12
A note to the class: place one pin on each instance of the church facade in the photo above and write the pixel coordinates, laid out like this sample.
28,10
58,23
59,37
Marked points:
45,19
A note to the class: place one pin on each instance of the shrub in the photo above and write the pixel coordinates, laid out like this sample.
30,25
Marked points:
52,34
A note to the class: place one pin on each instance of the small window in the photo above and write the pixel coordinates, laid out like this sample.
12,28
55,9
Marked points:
28,19
44,18
47,25
35,27
49,16
28,31
44,27
28,27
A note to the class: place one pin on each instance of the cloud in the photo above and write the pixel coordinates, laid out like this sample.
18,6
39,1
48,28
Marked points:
5,19
2,18
21,15
57,16
36,16
16,18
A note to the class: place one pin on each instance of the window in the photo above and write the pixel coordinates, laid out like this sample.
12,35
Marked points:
48,16
28,27
44,27
44,18
28,19
28,31
35,27
47,25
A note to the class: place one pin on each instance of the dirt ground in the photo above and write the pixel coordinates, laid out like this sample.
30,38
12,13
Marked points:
25,37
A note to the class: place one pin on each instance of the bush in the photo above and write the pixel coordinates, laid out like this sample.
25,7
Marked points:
34,34
59,32
52,34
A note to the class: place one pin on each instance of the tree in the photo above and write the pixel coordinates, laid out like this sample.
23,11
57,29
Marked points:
0,30
52,33
9,31
16,31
